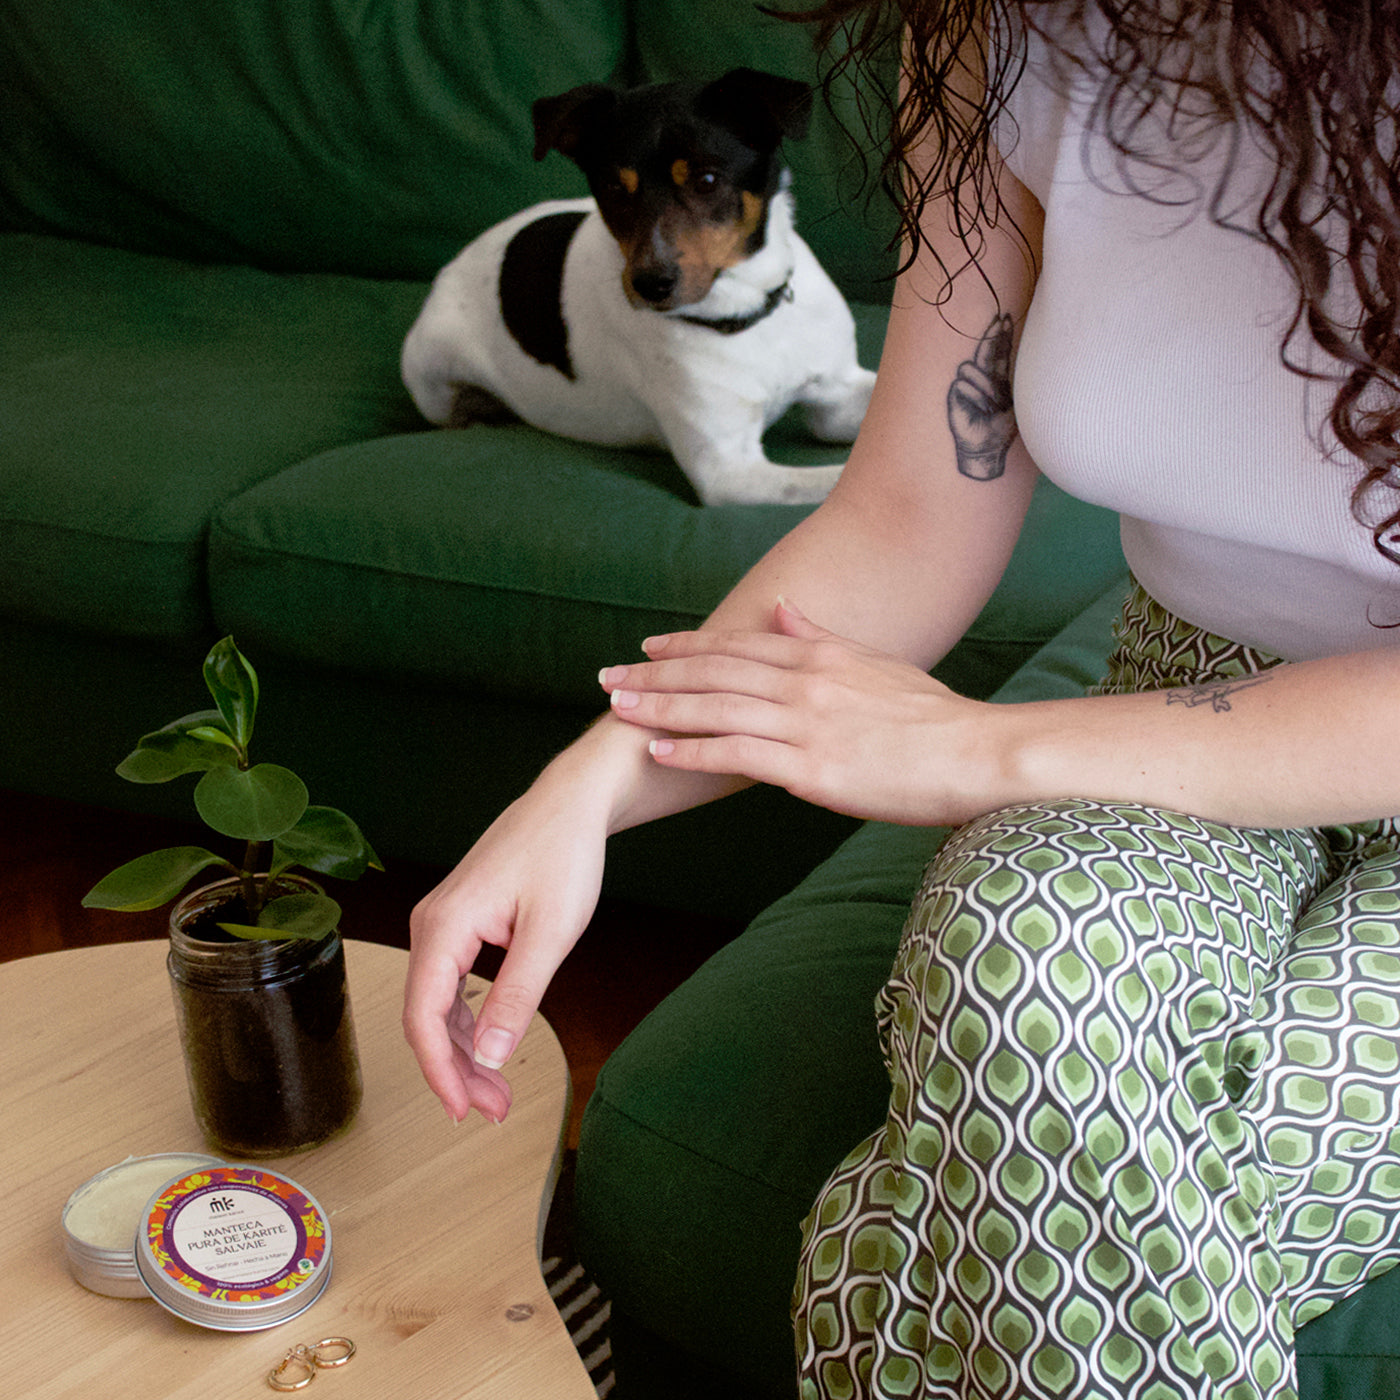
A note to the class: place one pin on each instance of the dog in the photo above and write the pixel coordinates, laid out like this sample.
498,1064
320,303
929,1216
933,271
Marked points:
675,308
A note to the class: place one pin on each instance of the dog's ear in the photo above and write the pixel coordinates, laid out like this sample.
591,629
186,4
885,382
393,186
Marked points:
563,123
761,109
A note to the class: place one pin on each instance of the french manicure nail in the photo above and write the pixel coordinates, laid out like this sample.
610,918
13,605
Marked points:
493,1048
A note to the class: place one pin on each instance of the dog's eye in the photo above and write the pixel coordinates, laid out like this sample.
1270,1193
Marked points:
685,176
622,181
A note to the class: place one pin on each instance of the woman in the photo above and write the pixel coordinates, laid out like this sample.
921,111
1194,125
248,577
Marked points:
1143,1095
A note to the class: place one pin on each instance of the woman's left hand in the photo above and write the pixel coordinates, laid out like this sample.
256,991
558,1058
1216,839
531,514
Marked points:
834,722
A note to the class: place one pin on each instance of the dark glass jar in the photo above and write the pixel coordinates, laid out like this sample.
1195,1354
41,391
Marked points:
266,1027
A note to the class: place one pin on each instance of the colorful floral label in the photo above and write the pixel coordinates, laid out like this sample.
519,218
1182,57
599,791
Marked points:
236,1234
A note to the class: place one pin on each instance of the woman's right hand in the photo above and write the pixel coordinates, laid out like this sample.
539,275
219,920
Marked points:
530,886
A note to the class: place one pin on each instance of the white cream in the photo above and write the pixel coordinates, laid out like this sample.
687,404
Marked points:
105,1211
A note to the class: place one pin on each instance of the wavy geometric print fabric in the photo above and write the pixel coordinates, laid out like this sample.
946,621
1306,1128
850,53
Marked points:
1145,1113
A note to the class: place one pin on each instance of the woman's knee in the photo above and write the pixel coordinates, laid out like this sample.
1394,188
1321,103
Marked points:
1035,913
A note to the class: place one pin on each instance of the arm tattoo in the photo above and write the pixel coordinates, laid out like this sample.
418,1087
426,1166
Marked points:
980,410
1216,694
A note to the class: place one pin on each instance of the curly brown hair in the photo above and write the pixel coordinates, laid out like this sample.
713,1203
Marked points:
1315,83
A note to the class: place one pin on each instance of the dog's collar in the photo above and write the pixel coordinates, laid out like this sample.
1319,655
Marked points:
733,325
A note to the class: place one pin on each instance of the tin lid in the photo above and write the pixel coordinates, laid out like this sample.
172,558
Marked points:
235,1248
101,1217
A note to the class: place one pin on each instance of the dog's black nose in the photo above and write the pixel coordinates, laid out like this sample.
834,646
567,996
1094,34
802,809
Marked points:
655,284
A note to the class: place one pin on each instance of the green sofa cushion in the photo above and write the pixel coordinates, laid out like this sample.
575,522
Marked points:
510,561
499,558
361,136
143,392
1353,1351
517,562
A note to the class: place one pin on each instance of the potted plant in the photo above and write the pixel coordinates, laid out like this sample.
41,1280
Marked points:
256,960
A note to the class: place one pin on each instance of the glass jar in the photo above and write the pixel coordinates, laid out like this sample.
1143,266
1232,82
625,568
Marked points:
266,1028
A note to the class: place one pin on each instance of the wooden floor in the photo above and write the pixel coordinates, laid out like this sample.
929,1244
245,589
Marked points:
52,852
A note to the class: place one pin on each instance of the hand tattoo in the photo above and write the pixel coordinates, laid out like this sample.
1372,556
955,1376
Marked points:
980,410
1216,695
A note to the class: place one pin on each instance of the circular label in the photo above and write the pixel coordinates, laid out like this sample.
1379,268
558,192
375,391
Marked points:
236,1234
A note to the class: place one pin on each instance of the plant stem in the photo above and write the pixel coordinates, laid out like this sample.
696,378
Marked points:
252,896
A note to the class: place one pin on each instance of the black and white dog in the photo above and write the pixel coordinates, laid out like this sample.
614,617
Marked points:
677,307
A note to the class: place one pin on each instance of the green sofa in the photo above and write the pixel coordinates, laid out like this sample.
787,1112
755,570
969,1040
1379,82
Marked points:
217,222
218,219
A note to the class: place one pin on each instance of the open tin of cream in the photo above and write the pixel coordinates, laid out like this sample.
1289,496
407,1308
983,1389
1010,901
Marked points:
102,1216
232,1247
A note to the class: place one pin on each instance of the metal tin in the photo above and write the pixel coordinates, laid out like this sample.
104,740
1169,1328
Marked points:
102,1216
235,1248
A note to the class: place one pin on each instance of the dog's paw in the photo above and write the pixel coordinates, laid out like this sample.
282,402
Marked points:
768,483
837,417
808,485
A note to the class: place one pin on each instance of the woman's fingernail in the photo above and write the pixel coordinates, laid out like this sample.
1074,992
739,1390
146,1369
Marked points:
625,699
611,675
653,644
493,1048
661,748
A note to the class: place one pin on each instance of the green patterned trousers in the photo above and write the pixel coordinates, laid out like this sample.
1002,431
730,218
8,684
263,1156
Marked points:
1145,1105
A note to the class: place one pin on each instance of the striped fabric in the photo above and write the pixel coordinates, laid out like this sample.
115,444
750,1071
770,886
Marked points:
586,1314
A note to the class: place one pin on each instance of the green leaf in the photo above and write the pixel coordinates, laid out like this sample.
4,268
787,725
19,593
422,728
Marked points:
234,685
193,744
291,916
327,841
216,734
151,880
257,805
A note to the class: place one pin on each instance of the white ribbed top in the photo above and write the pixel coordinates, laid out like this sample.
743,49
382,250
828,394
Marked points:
1149,380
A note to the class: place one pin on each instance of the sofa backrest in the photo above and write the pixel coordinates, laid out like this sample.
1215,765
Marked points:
362,136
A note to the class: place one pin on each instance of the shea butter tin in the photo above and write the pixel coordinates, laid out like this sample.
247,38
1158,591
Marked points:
236,1248
102,1216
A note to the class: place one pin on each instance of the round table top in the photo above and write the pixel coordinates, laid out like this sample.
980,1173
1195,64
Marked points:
436,1227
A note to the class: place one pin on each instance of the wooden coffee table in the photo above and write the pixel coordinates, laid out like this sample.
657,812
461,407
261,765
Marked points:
435,1228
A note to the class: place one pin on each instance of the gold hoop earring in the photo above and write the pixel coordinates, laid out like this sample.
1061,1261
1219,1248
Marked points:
298,1368
284,1375
343,1344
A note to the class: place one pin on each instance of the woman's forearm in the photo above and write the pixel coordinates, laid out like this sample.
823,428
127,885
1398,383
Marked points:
907,579
1308,744
863,732
612,760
